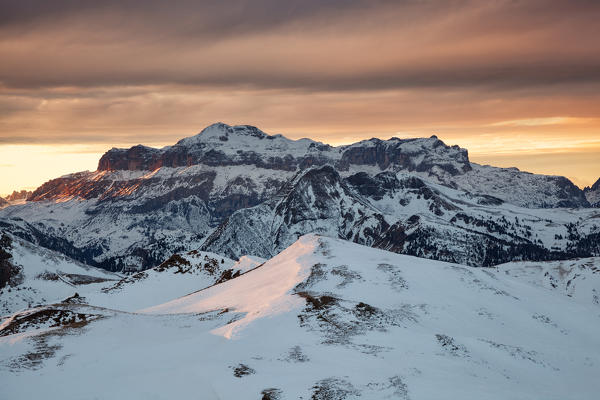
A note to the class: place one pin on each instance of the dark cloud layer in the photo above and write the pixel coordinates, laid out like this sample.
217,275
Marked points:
315,45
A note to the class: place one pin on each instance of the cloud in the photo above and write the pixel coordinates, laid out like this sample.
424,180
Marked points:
159,115
535,121
496,77
310,45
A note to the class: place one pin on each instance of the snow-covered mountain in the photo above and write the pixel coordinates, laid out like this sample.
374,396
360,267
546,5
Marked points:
316,200
143,204
405,214
221,145
32,275
17,196
14,198
592,194
325,300
181,273
324,319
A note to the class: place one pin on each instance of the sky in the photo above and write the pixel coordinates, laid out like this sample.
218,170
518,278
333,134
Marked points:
517,83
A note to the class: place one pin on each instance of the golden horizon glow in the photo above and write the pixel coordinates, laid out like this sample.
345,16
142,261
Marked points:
28,166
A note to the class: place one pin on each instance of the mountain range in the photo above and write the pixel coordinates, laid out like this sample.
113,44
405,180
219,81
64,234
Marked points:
237,264
235,190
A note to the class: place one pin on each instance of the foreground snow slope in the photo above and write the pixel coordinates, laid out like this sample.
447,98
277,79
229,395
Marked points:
578,279
263,292
324,319
44,276
40,276
181,273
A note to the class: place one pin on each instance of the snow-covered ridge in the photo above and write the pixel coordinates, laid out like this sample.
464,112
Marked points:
221,145
324,319
124,172
264,291
36,276
578,279
245,144
43,276
146,204
217,144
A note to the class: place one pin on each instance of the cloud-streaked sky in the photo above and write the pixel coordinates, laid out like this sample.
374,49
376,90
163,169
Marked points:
515,82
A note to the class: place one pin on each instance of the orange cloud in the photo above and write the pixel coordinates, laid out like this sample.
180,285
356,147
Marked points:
500,78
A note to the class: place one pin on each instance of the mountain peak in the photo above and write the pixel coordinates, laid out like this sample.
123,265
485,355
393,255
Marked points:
593,194
222,132
221,144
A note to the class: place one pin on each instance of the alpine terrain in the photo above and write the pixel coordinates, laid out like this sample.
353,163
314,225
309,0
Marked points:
224,188
324,319
236,264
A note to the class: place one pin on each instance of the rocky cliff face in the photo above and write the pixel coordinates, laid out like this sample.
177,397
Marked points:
219,145
316,200
8,271
144,204
592,194
403,214
18,195
418,155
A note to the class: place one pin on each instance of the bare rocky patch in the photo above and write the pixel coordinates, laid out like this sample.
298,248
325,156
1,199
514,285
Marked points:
397,282
317,274
75,299
484,312
333,389
242,370
340,320
544,319
11,275
393,387
79,279
271,394
177,264
450,346
46,318
34,358
296,355
324,249
470,278
45,324
518,352
348,276
227,275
